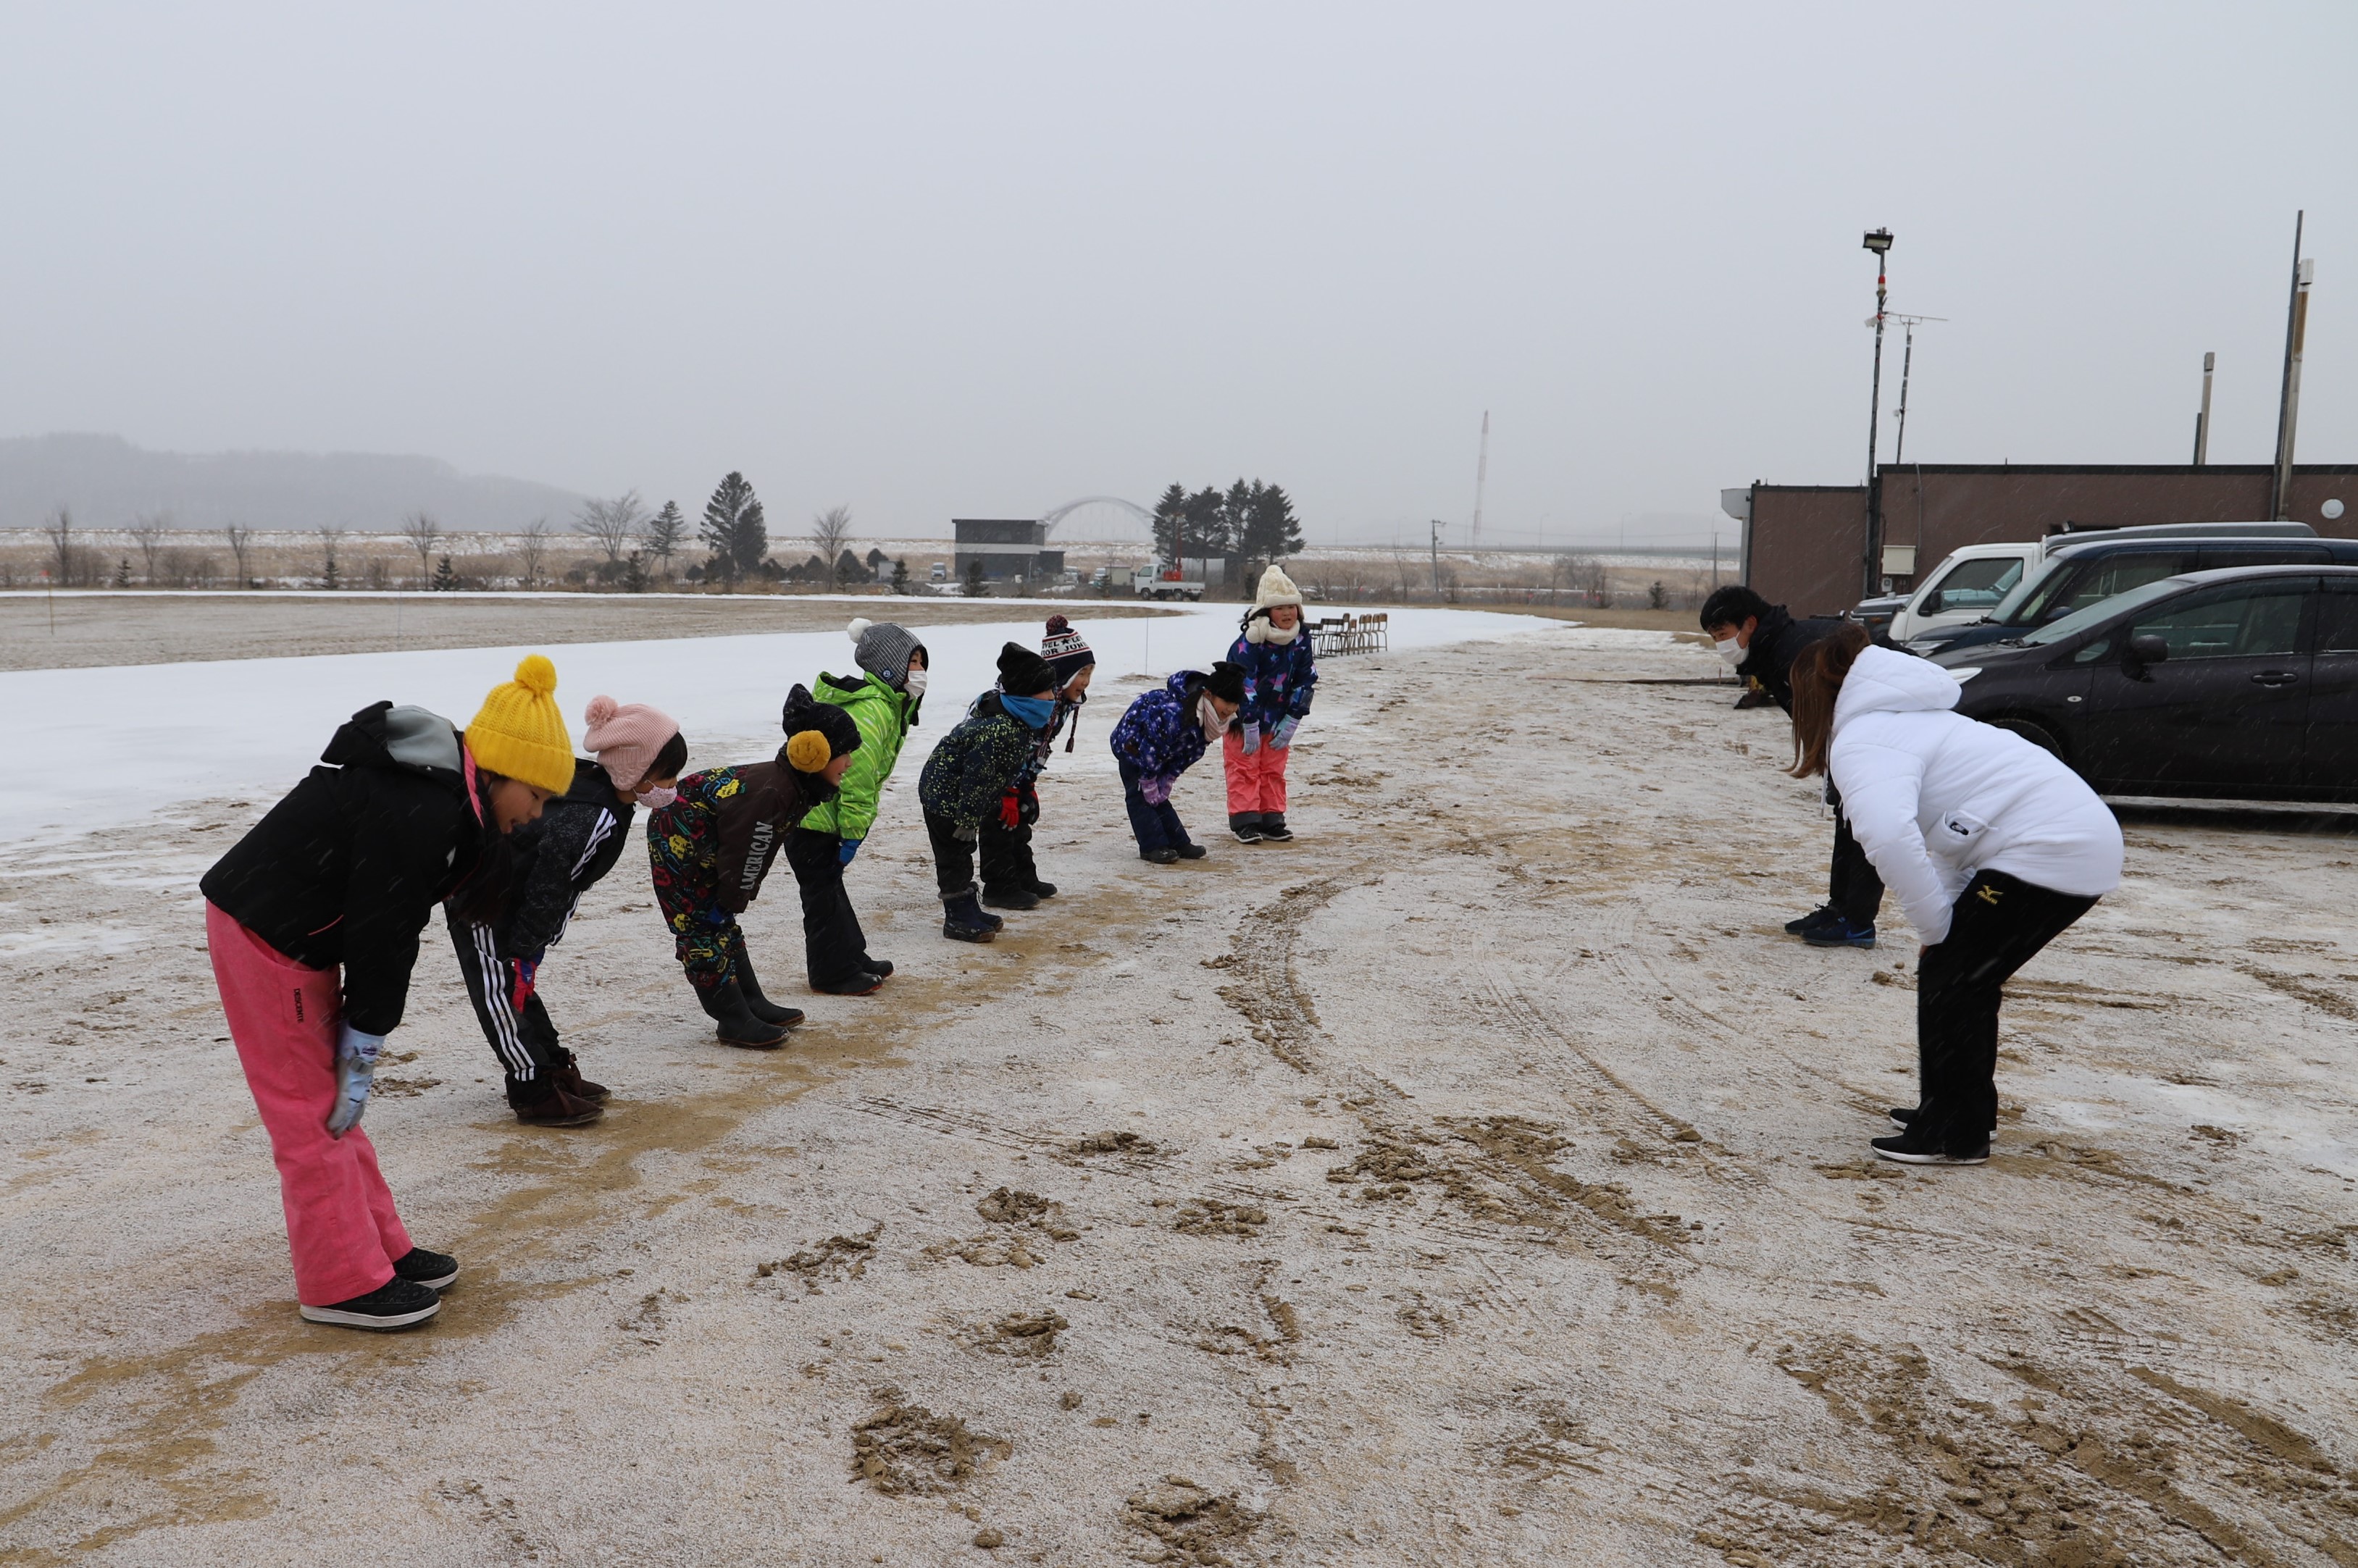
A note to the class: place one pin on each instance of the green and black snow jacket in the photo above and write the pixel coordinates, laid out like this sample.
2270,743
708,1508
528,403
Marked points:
884,717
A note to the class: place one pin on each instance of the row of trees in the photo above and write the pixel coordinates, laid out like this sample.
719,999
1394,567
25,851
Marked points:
1253,520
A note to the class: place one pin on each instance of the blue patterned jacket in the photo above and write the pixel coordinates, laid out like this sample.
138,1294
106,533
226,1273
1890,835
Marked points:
1159,735
1278,678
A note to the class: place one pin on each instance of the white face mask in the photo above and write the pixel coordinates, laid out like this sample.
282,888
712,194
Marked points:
656,799
915,682
1216,723
1731,650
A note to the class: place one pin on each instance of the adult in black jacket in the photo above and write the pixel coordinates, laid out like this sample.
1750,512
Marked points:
312,920
1762,640
561,857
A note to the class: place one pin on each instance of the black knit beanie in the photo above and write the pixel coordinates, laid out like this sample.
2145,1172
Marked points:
1022,673
804,711
1226,682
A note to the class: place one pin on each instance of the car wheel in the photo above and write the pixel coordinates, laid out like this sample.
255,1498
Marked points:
2038,735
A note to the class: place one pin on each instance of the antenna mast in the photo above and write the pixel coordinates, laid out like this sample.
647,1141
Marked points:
1481,478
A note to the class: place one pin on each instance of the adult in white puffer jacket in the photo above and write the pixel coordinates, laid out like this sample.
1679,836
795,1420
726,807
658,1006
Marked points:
1992,846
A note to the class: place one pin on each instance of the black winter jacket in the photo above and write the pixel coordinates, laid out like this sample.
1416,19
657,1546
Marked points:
1776,642
579,837
345,869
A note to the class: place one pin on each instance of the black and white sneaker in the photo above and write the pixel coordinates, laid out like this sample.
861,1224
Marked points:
438,1271
1905,1150
1273,828
396,1303
1903,1116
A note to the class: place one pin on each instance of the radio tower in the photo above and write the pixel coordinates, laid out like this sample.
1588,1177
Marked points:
1481,478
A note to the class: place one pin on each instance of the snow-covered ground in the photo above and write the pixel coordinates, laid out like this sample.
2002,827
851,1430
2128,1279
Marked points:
98,747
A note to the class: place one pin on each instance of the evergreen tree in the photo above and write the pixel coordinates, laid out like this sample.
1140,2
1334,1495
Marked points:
634,572
1271,531
445,580
901,576
1170,515
733,530
975,586
1208,523
123,573
666,532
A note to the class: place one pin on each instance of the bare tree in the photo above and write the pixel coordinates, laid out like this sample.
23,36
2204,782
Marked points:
240,539
59,530
532,550
830,531
147,532
614,523
423,533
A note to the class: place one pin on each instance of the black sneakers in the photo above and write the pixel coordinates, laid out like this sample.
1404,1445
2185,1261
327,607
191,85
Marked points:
438,1271
1246,825
396,1303
1193,851
1824,915
1163,856
1273,827
1903,1116
1010,898
862,984
1905,1150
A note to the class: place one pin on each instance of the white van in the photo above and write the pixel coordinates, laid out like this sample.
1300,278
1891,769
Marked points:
1965,586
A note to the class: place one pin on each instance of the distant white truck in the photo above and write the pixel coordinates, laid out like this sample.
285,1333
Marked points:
1150,587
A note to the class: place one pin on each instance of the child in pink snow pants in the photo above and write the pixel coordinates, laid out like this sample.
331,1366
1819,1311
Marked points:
283,1018
312,919
1274,651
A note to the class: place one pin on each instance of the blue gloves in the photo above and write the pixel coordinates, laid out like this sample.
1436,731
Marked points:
356,1057
1155,791
1252,737
1282,736
844,851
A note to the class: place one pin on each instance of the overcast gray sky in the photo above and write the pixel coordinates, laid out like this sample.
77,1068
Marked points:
937,260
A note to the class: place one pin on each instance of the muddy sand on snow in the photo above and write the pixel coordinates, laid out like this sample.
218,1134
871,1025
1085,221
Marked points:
1478,1180
81,629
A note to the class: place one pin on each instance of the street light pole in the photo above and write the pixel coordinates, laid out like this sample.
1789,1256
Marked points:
2202,417
1879,241
1437,526
2288,401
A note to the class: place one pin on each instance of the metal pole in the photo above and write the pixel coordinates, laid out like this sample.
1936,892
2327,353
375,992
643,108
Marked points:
2288,400
1436,560
2202,419
1906,363
1869,564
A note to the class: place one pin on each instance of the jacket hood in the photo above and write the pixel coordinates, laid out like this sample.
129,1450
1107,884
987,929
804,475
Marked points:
1883,681
412,740
593,786
1177,685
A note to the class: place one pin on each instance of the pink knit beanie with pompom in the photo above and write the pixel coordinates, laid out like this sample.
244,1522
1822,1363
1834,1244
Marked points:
625,738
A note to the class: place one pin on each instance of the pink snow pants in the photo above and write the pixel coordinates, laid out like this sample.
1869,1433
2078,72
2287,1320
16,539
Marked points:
1256,783
283,1017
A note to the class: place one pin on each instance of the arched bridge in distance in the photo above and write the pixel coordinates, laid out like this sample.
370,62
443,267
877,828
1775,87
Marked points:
1099,505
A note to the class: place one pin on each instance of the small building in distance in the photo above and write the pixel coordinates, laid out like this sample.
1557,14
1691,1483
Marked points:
1008,548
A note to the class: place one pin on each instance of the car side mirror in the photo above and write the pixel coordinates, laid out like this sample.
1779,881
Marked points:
2146,648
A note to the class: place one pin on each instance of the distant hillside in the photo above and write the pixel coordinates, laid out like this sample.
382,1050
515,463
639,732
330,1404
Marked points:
107,481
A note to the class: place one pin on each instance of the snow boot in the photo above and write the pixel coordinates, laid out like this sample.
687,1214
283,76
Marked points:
1273,827
1246,825
1042,889
734,1022
541,1101
1016,897
860,984
396,1303
964,921
567,1072
760,1006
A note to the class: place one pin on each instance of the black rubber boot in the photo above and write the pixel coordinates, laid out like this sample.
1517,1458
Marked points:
1010,898
1042,890
760,1006
736,1023
964,921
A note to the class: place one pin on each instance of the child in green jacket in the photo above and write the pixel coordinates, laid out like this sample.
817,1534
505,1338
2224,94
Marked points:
882,701
975,765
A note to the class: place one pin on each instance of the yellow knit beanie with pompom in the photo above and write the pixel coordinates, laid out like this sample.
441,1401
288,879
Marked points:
809,751
519,731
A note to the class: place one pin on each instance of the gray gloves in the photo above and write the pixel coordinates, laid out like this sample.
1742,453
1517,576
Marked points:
356,1057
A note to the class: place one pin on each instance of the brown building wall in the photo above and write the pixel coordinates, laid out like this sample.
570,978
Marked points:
1804,544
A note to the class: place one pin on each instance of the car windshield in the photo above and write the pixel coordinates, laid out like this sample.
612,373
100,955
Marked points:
2005,608
1972,585
2073,586
2079,620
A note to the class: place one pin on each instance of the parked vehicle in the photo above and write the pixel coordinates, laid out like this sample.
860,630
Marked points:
2238,683
1152,587
1967,585
2079,570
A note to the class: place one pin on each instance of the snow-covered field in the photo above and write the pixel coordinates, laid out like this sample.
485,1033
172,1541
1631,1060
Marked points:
1478,1179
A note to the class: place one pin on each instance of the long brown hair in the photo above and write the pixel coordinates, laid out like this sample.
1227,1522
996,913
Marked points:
1818,675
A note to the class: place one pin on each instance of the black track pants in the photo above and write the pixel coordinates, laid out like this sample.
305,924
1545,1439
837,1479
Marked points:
1007,864
522,1038
953,857
1999,923
834,947
1854,887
